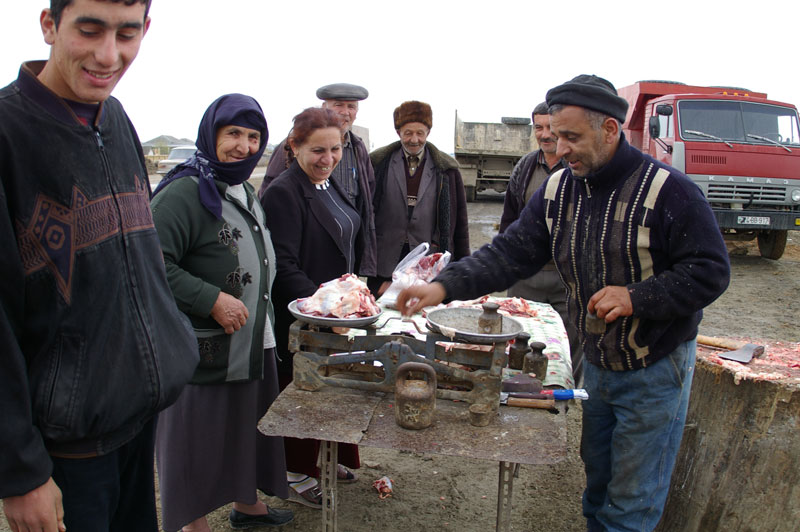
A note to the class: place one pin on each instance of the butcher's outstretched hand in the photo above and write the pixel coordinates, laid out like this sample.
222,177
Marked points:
40,509
229,312
415,298
610,303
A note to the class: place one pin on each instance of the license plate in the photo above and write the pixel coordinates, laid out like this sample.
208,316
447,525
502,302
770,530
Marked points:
753,220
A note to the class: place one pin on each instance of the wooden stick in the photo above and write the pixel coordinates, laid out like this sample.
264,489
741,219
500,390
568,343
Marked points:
723,343
547,404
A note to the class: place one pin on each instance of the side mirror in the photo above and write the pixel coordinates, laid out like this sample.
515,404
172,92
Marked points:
664,109
653,127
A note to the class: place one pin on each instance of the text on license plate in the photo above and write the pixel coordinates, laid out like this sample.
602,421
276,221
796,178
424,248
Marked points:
753,220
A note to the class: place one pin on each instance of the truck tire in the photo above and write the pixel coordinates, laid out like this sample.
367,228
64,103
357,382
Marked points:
471,194
771,244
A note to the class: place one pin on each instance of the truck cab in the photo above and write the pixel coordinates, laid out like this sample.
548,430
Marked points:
741,149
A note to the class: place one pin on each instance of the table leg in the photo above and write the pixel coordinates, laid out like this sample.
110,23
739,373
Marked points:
505,490
329,460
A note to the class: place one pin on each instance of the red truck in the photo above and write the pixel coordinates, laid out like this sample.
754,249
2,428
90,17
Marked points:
742,149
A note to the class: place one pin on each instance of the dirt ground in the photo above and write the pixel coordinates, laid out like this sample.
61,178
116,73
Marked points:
440,493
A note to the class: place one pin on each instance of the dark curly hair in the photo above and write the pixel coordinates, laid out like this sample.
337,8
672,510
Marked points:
57,6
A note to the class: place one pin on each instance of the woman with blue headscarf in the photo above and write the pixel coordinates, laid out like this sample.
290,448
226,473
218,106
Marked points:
220,266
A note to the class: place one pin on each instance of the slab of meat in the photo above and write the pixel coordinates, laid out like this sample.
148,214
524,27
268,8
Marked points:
425,269
780,362
345,297
516,306
510,306
415,269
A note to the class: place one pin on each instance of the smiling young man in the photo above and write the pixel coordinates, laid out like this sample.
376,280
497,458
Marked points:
93,343
639,251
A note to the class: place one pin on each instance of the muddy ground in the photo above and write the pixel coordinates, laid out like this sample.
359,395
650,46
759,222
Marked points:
440,493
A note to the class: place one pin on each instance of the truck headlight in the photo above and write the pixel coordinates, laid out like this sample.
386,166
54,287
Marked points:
796,195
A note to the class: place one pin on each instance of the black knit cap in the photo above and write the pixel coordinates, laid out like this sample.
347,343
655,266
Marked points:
590,92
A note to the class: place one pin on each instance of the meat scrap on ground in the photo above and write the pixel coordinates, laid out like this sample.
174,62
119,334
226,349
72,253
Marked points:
345,297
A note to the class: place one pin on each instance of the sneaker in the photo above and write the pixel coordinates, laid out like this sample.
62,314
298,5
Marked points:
273,517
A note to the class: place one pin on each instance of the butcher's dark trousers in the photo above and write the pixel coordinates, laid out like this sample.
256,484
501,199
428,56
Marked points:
110,493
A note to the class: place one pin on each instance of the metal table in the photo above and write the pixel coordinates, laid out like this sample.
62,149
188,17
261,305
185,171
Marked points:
333,414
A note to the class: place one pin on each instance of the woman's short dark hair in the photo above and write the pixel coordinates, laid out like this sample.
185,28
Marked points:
310,120
57,6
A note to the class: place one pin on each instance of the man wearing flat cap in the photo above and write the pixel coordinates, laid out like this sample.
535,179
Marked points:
353,173
639,252
419,195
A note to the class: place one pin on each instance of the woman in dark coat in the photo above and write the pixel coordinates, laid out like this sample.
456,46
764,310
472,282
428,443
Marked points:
220,267
317,235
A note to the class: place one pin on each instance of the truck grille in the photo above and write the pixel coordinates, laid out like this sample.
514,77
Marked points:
709,159
746,192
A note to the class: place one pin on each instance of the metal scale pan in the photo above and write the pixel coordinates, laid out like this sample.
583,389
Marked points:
460,324
332,322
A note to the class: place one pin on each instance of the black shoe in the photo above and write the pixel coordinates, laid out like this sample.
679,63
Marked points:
275,517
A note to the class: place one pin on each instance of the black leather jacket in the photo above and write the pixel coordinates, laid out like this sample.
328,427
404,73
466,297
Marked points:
93,344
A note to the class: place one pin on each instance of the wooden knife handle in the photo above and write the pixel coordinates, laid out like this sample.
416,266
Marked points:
546,404
724,343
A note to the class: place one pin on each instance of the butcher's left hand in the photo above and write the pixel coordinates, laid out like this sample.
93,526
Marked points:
610,303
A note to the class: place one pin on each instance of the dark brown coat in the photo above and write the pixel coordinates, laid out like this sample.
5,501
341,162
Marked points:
451,206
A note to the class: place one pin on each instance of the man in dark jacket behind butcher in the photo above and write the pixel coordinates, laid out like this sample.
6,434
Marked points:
641,255
419,195
93,344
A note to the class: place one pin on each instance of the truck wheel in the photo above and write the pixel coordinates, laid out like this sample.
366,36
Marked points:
470,191
772,243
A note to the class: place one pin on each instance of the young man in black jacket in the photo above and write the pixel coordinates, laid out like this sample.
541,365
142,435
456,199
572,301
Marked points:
93,344
640,254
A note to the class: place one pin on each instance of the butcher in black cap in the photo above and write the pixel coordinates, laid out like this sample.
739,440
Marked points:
354,172
637,247
594,101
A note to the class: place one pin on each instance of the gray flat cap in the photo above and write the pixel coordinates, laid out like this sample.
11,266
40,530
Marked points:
342,91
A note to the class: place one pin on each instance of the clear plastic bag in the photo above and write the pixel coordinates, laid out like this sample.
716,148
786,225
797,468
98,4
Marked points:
416,268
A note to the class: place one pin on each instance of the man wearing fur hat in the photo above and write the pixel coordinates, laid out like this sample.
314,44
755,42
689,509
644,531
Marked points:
419,195
354,171
638,248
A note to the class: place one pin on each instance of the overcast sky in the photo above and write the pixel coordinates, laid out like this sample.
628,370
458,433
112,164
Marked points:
486,59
